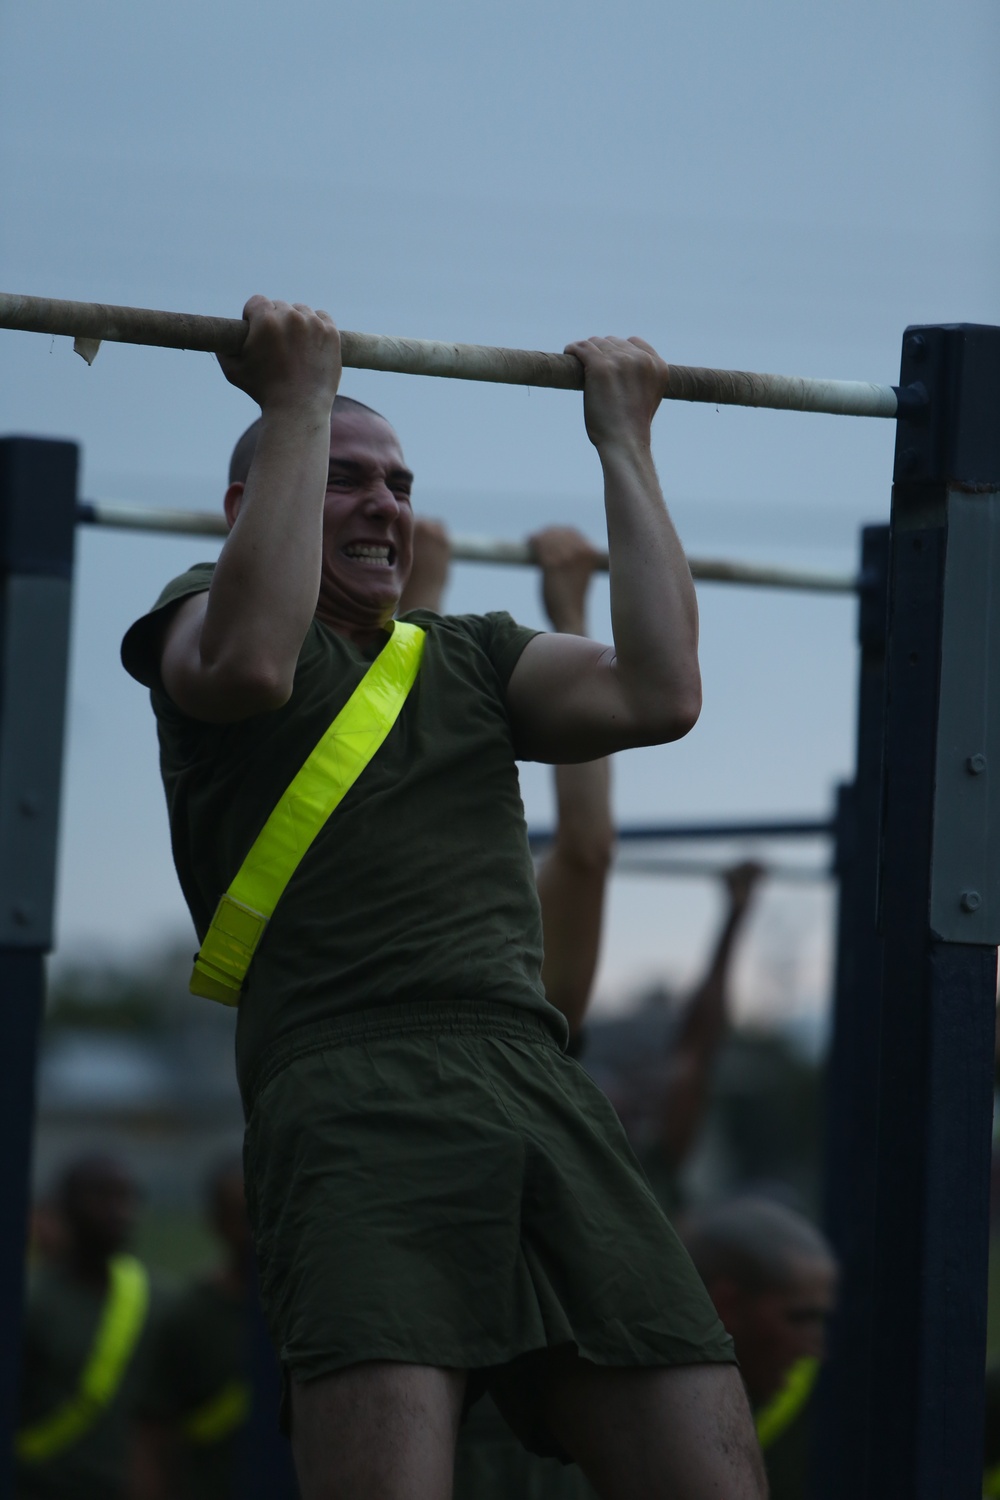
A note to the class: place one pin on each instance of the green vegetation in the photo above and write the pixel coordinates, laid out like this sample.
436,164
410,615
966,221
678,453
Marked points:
148,996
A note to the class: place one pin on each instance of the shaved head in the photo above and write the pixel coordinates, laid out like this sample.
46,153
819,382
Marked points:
86,1173
97,1198
753,1242
242,457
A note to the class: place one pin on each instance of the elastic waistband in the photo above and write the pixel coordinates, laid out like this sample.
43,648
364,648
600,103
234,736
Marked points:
387,1022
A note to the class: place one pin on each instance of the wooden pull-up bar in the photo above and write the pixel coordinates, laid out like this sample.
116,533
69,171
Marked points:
89,323
472,549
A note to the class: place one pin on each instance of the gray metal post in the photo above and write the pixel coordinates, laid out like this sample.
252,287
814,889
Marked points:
37,518
921,1430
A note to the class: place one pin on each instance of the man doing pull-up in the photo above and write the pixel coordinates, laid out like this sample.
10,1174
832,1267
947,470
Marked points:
441,1200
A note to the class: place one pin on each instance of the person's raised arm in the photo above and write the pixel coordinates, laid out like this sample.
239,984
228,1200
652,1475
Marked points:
571,699
572,876
431,565
232,652
703,1026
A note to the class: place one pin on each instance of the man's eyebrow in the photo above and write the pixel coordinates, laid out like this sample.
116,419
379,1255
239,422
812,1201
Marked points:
355,470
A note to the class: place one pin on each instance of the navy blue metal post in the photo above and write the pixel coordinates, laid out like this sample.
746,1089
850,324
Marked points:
265,1467
37,517
919,1434
852,1064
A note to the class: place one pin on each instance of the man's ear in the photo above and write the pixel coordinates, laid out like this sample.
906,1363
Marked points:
231,504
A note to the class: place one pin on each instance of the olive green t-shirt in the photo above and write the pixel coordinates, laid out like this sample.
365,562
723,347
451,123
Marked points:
199,1350
420,886
62,1316
663,1176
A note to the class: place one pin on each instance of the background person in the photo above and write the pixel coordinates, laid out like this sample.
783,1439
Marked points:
572,879
86,1332
490,1463
194,1401
572,874
772,1277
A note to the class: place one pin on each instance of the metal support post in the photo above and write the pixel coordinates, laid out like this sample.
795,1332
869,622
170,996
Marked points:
851,1073
37,519
921,1432
264,1463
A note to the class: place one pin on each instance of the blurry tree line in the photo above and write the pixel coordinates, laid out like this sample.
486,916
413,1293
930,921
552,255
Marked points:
146,996
764,1124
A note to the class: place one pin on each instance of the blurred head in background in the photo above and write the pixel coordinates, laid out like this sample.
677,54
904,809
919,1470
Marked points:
97,1202
772,1278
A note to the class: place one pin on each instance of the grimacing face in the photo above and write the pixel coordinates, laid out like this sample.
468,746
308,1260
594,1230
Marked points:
367,520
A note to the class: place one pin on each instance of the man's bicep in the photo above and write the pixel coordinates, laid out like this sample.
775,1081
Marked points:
181,671
563,700
221,693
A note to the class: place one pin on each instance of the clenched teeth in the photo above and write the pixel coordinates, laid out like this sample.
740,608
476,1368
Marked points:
373,554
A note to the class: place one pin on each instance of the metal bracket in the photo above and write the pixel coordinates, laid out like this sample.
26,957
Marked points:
34,631
965,879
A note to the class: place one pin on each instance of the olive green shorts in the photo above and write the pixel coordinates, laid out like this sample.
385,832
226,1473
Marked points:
442,1185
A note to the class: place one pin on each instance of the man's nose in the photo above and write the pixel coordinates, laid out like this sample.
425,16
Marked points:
380,500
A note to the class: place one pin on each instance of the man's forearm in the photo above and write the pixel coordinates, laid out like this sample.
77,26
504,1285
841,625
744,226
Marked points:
654,612
570,699
584,830
266,583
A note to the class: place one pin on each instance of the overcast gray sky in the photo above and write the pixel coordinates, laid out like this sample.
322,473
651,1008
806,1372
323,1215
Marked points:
774,187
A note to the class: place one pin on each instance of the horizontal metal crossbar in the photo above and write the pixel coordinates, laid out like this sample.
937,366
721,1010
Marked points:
89,323
697,869
476,549
769,828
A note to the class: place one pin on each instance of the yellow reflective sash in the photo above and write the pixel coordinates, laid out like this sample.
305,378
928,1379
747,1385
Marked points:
991,1483
780,1412
346,748
220,1415
117,1334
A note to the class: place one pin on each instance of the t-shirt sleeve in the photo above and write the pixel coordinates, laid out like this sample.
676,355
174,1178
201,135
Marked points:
501,638
142,643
